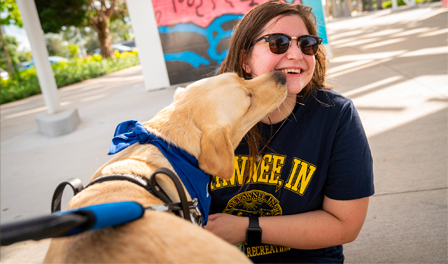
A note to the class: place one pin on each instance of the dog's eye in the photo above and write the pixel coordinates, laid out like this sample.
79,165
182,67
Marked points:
250,94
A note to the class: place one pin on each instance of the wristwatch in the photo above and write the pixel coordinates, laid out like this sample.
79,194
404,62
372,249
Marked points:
253,232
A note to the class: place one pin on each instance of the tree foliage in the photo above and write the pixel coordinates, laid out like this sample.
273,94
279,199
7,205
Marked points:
15,55
12,17
88,36
55,46
11,10
94,13
53,15
12,45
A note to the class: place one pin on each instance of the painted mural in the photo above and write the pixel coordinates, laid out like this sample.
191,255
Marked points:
195,34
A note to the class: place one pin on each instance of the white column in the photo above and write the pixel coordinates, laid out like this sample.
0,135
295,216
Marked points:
45,74
394,4
147,39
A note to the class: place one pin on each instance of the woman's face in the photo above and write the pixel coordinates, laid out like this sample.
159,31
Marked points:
261,60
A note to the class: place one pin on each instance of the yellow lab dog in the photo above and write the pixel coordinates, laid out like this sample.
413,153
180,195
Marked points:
207,119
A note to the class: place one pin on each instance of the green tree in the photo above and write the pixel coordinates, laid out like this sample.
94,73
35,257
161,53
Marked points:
15,56
80,13
11,17
11,13
91,42
11,44
73,50
55,46
88,35
24,55
120,30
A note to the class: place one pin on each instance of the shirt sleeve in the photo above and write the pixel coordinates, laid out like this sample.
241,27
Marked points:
350,171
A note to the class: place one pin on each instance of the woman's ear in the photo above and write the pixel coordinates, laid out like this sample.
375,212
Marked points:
245,60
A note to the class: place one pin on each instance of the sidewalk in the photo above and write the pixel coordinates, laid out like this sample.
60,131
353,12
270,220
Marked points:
392,65
394,68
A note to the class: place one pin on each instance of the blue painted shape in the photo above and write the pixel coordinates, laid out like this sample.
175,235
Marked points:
187,56
213,29
318,11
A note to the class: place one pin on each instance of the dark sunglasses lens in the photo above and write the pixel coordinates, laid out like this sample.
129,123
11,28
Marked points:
278,44
309,46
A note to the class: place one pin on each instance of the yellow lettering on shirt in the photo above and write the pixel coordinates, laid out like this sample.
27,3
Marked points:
267,171
253,251
300,176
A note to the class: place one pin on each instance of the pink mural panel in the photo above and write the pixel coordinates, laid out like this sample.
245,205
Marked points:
201,12
195,34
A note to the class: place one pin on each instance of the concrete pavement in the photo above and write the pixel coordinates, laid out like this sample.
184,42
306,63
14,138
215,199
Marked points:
393,65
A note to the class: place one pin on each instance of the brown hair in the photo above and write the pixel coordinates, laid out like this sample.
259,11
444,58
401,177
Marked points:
245,33
250,26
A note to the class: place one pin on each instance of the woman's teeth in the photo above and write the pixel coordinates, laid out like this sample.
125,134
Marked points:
295,71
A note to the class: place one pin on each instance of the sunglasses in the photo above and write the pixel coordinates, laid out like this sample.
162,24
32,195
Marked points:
279,43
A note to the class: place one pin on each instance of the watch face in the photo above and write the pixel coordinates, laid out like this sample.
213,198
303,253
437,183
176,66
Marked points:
253,236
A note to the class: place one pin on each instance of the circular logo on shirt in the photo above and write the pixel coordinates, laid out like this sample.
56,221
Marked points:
254,202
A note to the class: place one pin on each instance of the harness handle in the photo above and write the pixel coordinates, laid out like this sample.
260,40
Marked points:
180,190
76,186
68,223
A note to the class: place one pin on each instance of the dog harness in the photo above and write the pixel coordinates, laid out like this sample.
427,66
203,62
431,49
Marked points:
93,217
186,165
189,209
72,222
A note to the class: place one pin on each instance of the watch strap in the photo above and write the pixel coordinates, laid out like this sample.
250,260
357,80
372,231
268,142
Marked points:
253,232
253,222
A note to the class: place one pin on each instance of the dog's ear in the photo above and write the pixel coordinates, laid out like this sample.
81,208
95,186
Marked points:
178,93
217,152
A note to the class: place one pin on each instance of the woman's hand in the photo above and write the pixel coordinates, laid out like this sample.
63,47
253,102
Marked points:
338,223
231,228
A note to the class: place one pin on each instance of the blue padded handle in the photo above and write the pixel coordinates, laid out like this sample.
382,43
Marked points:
106,215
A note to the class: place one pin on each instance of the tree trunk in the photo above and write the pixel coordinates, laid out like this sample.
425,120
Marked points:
370,5
334,8
359,5
346,7
100,24
379,4
105,41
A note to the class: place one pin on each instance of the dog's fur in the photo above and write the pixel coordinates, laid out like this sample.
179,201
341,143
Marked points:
207,119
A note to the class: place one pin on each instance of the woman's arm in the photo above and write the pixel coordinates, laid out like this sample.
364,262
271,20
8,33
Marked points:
338,223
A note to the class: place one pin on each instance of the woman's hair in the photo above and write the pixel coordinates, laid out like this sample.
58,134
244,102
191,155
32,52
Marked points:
246,32
251,25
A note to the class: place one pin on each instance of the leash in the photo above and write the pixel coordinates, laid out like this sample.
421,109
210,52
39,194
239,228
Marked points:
73,222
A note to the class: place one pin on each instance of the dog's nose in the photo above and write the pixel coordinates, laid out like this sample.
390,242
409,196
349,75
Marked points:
280,76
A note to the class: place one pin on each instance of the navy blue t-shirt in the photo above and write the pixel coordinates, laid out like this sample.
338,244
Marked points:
321,150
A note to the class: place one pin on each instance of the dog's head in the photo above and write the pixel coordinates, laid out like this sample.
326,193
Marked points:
218,112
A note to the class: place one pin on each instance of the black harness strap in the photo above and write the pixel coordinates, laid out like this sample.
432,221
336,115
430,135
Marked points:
140,181
180,190
76,186
102,215
150,185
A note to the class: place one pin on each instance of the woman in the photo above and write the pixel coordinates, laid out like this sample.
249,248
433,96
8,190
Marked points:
303,175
